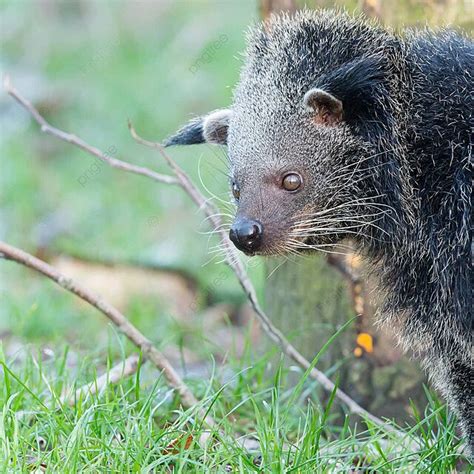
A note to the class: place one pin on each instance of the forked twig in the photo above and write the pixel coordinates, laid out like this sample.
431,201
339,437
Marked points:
150,352
74,140
182,179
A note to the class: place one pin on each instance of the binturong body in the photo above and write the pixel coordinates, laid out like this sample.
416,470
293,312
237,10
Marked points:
341,129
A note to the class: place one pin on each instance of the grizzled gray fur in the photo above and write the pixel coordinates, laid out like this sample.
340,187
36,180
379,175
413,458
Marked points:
340,129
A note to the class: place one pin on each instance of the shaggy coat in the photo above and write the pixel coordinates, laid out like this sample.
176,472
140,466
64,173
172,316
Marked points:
378,127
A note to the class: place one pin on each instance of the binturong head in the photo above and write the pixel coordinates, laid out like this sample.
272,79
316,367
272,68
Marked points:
304,154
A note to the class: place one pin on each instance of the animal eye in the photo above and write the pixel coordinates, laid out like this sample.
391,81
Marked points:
291,181
236,191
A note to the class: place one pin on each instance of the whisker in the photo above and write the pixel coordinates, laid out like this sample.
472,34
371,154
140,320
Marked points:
218,214
359,162
275,269
320,248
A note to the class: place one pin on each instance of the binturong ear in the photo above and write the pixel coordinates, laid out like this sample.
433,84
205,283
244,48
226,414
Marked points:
211,128
327,108
355,92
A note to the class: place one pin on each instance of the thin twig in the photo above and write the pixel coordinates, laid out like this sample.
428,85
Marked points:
74,140
150,352
232,257
123,369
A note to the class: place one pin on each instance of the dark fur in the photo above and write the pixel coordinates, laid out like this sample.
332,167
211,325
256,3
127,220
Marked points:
190,134
407,128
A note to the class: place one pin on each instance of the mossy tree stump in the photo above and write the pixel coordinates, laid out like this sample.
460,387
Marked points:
309,301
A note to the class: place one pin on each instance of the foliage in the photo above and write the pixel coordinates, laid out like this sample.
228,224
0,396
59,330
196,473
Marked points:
138,426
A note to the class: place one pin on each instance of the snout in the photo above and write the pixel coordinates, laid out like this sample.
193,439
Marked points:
247,235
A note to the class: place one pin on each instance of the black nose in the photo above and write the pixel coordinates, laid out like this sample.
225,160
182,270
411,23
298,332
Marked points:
246,235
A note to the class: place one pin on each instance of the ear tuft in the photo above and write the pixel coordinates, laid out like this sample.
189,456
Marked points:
209,129
190,134
327,108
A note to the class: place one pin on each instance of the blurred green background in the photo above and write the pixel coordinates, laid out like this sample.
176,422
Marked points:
89,66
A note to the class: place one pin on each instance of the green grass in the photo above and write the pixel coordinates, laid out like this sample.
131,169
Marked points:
89,66
139,426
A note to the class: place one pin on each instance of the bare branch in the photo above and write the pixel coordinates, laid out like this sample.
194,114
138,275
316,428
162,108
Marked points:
183,179
76,141
232,257
124,369
123,324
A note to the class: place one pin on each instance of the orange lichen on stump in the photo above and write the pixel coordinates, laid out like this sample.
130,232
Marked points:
365,343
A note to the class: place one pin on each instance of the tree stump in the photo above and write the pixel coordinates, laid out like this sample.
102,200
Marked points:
309,301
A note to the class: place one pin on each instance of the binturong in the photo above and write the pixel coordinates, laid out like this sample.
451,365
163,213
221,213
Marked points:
341,129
